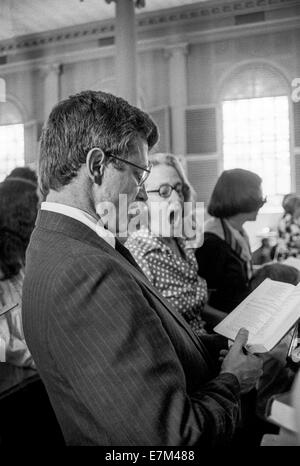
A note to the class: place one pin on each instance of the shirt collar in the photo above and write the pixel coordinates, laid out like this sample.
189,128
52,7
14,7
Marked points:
83,217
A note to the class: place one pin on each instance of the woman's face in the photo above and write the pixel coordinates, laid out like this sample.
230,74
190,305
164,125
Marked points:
160,176
164,190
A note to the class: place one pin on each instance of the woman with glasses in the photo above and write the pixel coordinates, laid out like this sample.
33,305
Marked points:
225,259
160,247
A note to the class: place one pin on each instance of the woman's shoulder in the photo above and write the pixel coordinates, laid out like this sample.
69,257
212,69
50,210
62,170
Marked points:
211,239
210,236
213,247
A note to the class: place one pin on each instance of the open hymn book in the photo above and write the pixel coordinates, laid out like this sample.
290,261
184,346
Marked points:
268,313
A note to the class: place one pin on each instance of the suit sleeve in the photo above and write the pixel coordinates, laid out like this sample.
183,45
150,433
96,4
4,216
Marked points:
112,349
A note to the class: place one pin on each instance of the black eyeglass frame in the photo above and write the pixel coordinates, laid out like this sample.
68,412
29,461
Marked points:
169,185
262,202
146,171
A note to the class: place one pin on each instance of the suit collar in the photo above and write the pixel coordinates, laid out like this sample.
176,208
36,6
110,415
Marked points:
94,224
60,223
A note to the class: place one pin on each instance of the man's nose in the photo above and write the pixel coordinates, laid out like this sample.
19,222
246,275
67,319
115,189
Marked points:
142,194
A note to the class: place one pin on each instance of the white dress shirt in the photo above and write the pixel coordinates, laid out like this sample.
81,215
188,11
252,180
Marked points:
82,217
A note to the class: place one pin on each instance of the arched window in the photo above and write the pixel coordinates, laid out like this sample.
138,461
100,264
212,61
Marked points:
256,132
11,138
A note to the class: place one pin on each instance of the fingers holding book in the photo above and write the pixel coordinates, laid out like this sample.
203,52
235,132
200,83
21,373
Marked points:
245,366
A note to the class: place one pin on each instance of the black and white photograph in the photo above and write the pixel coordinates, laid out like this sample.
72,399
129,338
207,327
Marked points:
150,227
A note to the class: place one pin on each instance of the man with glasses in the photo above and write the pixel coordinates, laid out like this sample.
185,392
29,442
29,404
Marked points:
120,366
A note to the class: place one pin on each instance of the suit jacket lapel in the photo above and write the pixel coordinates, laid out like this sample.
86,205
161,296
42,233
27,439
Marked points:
126,253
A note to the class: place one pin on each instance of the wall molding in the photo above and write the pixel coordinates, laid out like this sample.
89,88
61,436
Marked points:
162,44
145,22
211,11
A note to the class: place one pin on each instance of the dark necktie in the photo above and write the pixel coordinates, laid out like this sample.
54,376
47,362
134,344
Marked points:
126,253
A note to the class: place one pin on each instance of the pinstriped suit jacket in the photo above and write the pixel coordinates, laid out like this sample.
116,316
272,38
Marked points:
120,366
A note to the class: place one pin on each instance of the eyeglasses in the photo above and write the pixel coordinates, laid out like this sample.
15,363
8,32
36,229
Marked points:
165,190
262,201
145,170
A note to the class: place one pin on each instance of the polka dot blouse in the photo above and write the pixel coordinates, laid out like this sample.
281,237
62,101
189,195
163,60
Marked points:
173,276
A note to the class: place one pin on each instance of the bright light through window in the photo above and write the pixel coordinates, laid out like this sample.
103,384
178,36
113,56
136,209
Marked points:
256,138
11,148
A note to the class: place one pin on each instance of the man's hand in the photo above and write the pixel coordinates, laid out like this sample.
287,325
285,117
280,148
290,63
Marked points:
222,355
245,366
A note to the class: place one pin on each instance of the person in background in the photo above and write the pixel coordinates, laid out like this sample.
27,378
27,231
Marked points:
225,259
26,173
167,262
289,228
23,173
18,211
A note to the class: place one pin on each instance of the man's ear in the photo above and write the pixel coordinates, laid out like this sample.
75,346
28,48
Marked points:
95,164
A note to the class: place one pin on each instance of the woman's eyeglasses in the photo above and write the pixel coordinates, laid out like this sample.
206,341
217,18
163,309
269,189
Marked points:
145,171
165,190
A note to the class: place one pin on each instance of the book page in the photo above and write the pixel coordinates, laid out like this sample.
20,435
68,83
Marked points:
260,311
289,314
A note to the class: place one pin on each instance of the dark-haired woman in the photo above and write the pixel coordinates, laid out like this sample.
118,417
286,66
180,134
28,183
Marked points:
225,259
18,210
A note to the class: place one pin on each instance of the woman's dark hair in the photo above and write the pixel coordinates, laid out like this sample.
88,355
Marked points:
18,211
24,173
236,192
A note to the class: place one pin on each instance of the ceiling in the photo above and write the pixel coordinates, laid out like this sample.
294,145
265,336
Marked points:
21,17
